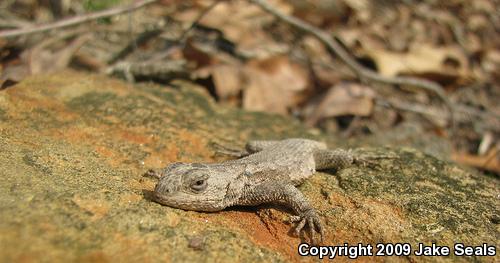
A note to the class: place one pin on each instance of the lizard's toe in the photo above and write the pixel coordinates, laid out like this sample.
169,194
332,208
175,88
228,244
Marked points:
300,226
295,219
320,229
310,223
314,224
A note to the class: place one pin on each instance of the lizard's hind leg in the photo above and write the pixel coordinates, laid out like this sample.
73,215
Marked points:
230,151
250,147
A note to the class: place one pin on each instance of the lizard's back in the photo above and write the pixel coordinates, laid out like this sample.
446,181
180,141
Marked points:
291,158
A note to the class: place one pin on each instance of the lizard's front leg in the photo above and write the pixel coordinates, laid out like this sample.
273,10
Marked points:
287,194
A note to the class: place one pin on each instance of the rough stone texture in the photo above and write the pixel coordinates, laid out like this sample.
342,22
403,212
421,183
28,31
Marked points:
74,148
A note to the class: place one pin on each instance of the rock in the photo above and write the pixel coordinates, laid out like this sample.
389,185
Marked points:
74,148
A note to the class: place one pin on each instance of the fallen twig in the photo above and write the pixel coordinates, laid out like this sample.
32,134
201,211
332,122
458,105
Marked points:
143,37
185,34
201,15
464,114
361,71
75,20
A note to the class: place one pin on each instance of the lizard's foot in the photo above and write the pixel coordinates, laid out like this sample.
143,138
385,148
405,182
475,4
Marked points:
311,218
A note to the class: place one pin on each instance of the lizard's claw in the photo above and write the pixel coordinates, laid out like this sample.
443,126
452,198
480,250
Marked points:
311,218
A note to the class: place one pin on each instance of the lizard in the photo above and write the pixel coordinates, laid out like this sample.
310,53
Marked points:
267,172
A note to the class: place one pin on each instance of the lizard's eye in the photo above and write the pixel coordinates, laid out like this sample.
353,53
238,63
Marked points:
199,185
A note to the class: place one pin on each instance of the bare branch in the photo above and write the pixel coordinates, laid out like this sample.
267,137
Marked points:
75,20
184,36
200,16
361,71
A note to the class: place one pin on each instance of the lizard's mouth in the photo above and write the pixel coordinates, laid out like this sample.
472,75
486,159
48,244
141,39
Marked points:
167,198
181,202
161,199
159,193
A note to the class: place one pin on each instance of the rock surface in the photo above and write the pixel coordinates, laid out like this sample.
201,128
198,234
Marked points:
74,148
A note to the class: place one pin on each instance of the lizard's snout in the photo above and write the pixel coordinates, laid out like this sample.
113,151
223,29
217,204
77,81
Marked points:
162,188
166,192
166,186
162,192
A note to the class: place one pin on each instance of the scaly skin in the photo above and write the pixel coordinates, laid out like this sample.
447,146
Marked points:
268,173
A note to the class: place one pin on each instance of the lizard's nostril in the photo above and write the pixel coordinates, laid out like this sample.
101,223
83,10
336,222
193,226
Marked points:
163,188
159,188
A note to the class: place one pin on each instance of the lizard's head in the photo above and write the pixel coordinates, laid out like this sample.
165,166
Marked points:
192,186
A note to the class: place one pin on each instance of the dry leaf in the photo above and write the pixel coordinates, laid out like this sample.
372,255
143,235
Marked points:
43,60
240,19
320,12
421,59
242,23
491,61
489,161
344,99
227,81
273,85
362,8
12,75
